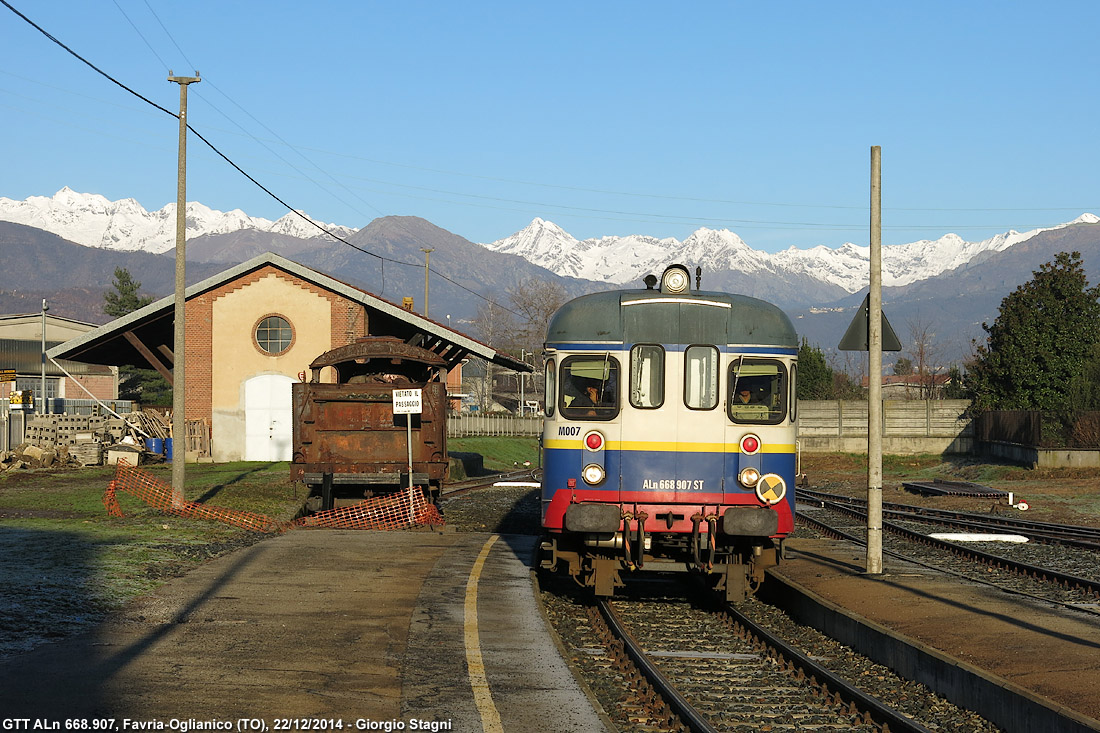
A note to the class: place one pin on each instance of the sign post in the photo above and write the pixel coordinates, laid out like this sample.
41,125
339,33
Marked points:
408,402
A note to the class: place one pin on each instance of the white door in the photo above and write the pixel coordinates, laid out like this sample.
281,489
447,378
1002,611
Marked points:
267,414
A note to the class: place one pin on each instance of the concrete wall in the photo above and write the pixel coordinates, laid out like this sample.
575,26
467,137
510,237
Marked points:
1028,455
909,426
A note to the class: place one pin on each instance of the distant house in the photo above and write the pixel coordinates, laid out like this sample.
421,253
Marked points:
913,386
21,352
252,331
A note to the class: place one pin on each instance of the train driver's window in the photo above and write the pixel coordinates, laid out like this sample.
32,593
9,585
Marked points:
701,377
647,376
589,387
758,391
551,396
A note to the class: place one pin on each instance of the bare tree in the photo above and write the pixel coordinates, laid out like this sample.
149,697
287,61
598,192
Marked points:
924,353
496,326
535,301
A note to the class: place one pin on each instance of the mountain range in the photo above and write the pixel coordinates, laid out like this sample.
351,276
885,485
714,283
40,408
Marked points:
68,245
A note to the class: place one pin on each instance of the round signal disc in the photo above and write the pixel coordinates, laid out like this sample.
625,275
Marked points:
771,489
750,444
593,441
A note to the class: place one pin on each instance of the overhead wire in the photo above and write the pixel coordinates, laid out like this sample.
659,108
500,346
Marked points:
382,259
747,223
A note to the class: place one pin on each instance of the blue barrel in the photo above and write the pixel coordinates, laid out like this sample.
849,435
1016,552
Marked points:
168,449
155,445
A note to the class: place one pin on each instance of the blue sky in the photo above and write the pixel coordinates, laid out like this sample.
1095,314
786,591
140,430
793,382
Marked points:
606,118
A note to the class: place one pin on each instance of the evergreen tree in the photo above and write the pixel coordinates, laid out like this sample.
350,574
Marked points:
815,377
124,298
1043,336
954,389
142,385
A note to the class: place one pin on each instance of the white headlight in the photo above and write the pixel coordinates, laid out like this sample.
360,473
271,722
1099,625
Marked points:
593,474
675,280
749,478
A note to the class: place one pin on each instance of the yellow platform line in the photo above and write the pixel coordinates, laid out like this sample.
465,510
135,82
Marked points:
479,682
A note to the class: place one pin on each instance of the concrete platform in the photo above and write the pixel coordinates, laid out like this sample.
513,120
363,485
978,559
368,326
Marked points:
439,631
1049,650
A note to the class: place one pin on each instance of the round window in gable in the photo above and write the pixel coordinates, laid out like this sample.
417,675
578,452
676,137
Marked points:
274,334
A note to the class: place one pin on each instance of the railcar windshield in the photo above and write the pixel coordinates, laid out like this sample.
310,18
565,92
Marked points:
758,391
701,369
647,376
589,387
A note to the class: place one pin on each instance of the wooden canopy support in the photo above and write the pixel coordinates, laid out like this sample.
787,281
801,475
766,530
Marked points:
149,355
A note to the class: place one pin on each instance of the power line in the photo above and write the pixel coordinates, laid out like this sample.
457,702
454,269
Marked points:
240,170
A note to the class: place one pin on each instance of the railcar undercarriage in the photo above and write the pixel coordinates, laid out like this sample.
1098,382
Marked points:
735,565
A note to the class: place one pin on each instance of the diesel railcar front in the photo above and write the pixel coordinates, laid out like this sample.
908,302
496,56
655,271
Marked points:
669,439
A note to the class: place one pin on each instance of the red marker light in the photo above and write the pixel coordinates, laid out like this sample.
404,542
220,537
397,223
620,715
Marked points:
594,441
750,444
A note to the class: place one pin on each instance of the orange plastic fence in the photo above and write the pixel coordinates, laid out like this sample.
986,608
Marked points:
395,511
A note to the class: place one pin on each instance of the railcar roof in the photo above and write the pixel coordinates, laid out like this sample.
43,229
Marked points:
640,316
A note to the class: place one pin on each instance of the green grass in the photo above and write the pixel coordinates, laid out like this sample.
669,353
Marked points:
67,563
500,453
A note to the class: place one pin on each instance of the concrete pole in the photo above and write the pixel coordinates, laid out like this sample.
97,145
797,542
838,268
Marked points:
179,388
45,402
874,376
427,255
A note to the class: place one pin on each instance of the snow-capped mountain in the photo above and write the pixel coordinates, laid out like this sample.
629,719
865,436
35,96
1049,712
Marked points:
95,221
627,259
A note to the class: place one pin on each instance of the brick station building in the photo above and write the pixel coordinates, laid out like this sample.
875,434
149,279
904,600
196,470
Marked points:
251,331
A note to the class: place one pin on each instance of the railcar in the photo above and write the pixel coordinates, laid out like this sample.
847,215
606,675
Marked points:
349,444
669,438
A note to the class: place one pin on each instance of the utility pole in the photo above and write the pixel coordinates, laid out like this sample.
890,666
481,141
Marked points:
427,254
179,415
874,377
45,402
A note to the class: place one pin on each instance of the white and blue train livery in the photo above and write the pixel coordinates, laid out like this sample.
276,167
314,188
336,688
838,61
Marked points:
669,439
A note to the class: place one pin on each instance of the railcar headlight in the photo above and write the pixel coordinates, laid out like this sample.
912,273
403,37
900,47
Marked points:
593,474
675,280
749,477
771,489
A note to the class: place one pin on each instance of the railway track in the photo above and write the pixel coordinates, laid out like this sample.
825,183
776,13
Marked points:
1009,566
459,488
669,663
1044,532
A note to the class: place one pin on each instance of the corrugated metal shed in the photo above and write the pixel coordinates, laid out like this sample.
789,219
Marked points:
25,357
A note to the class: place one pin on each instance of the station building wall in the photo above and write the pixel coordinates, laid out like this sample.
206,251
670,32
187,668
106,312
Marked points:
223,355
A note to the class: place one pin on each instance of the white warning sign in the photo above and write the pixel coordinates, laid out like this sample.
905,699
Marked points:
407,402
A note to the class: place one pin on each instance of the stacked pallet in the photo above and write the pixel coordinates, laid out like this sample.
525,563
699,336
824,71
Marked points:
87,453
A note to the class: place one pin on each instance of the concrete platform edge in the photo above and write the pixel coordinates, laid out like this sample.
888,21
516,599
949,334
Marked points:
604,717
954,680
